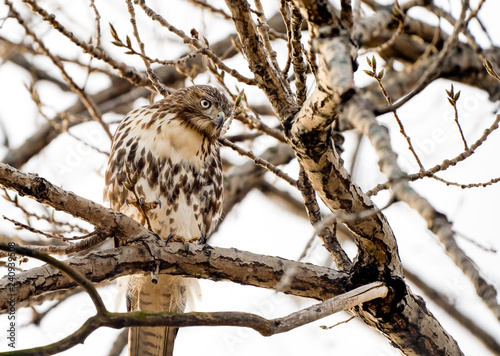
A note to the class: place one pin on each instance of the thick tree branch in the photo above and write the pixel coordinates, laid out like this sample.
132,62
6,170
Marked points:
443,301
215,263
364,120
269,78
309,134
31,185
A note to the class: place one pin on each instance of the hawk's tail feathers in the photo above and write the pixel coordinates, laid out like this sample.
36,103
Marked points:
170,295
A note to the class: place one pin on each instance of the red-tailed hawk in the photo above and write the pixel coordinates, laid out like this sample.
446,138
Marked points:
173,147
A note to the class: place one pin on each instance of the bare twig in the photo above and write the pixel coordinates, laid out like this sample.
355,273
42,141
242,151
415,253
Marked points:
324,327
205,5
430,72
46,234
452,99
284,11
378,77
85,99
124,70
160,88
326,234
196,43
259,161
447,162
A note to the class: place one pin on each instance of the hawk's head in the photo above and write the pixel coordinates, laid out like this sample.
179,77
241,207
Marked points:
202,108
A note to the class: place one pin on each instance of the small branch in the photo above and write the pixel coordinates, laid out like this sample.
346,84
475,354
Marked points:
268,78
204,5
461,185
85,99
97,23
110,222
324,327
346,218
124,70
259,161
263,28
93,240
239,180
284,11
160,88
378,77
254,122
196,43
430,72
60,265
49,217
446,163
452,99
46,234
330,241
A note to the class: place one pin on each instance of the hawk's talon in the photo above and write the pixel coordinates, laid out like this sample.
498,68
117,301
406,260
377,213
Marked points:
186,248
203,240
127,201
158,203
142,201
169,237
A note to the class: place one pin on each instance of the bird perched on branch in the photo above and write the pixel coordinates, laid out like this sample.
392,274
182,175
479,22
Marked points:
165,171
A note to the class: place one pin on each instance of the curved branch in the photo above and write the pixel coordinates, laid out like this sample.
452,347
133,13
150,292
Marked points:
60,265
265,327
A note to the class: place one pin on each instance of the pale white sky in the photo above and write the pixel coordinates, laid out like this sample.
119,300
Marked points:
259,225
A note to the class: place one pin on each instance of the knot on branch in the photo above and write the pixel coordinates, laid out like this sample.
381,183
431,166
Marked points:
362,274
39,188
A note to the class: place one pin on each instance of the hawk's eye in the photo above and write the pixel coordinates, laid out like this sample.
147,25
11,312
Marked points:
205,103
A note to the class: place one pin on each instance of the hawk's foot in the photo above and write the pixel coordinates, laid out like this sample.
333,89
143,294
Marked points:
141,204
174,238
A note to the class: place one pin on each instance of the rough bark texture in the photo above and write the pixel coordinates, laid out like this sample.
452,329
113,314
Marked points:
215,263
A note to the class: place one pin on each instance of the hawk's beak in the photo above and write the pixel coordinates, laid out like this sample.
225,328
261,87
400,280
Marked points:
220,119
